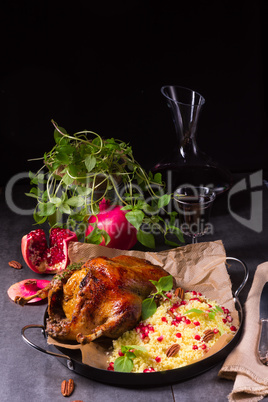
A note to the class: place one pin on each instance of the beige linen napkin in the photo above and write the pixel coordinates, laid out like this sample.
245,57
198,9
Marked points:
243,365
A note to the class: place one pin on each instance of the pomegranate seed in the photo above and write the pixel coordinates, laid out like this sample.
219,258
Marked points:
215,330
187,321
224,320
183,318
175,306
178,335
160,338
143,336
164,319
196,323
197,337
120,353
209,305
158,359
110,368
183,302
225,310
233,328
178,318
151,328
199,294
229,318
194,292
195,347
149,370
169,295
196,298
203,346
174,322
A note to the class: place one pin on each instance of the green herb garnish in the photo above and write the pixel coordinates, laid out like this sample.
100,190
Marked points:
70,268
210,314
81,170
125,363
149,306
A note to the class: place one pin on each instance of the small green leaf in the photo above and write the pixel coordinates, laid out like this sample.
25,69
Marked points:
194,310
164,200
58,136
76,201
158,178
31,195
135,218
90,162
136,347
84,191
55,200
64,208
123,364
67,179
148,308
218,308
166,283
147,239
63,158
46,209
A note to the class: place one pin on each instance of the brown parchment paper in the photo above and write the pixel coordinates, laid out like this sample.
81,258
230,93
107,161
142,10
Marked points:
199,267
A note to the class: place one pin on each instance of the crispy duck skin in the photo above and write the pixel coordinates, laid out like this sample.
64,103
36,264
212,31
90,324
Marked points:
104,297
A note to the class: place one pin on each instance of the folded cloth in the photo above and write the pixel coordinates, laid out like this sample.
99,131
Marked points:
243,365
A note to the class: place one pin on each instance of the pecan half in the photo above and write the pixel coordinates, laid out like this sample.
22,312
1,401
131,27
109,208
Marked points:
67,387
179,292
208,335
15,264
171,314
173,350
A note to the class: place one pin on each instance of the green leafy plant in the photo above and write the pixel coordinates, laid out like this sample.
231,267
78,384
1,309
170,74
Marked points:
124,363
149,305
79,172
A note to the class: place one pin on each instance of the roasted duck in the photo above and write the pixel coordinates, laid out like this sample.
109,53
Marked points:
102,297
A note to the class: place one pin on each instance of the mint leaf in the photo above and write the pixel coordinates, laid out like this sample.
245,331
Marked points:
166,283
194,310
135,218
164,200
147,239
148,308
90,162
123,364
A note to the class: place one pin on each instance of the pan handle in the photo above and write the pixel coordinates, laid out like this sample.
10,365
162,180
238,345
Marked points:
33,345
238,290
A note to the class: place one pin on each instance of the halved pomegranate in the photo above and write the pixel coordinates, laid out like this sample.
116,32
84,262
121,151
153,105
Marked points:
27,287
43,259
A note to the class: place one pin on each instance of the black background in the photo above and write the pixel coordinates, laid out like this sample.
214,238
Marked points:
97,66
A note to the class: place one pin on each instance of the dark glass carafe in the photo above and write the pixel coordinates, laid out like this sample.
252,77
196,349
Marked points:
186,164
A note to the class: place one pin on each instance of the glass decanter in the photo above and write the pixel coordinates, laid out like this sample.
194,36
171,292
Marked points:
187,164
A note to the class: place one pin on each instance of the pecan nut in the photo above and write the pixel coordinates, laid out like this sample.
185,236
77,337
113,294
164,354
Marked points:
15,264
171,314
208,335
173,350
179,292
67,387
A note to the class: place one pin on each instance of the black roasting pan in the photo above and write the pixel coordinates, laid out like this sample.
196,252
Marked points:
72,358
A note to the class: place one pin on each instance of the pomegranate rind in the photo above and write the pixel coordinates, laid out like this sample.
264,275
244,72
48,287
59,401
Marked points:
115,224
22,289
31,254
